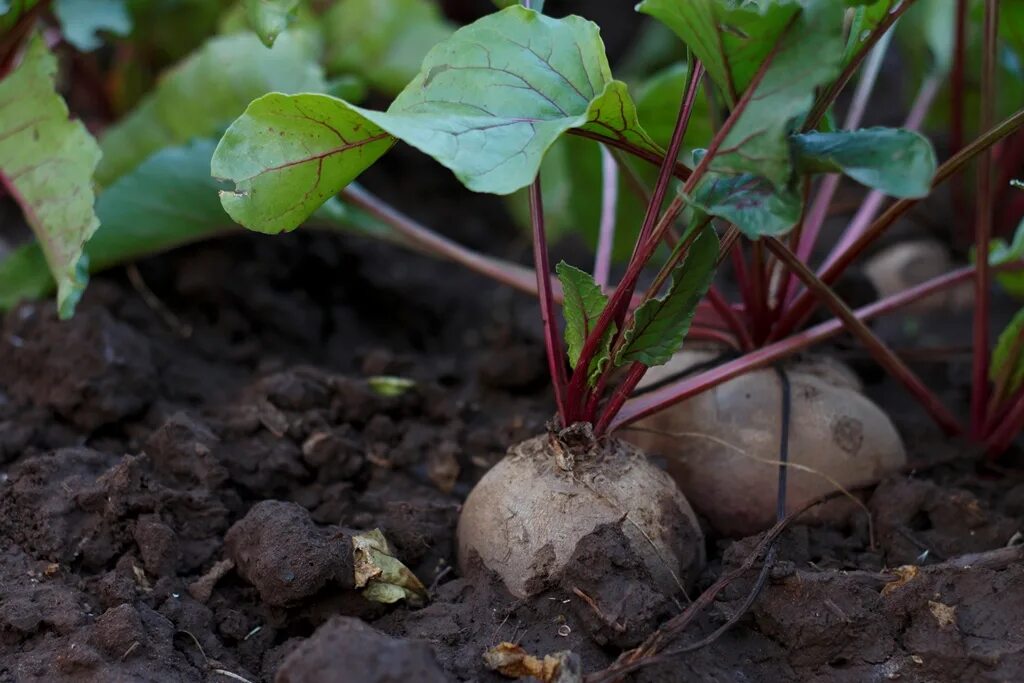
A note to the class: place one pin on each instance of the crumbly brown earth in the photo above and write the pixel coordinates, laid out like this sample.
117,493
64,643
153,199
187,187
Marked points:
128,451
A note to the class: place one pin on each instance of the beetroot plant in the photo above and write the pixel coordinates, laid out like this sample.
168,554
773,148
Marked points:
488,103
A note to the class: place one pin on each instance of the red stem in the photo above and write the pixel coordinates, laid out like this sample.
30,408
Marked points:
622,392
803,306
956,106
873,202
882,353
659,399
726,312
552,339
983,228
1009,428
606,227
674,145
832,92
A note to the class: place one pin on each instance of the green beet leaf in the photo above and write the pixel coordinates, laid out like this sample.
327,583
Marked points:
384,41
270,17
1008,356
490,100
165,202
288,154
660,325
583,304
730,39
203,93
899,162
752,204
47,162
80,21
807,56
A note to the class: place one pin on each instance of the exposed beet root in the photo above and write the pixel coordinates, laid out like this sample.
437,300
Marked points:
526,516
723,444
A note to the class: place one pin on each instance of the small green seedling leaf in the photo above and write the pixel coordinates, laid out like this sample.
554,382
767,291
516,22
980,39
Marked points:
752,204
390,386
490,100
1001,253
900,163
81,20
288,154
1008,356
383,41
47,162
866,16
584,301
268,18
660,325
203,93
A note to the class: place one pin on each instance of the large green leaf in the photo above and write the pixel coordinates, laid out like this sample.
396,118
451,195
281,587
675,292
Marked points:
660,325
384,41
584,301
899,162
1008,356
47,162
808,55
752,204
81,19
165,202
270,17
288,154
202,94
490,100
730,39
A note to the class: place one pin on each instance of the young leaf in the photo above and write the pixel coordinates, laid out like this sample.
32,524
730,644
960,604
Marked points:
808,55
899,162
270,17
46,164
730,39
1008,356
287,154
752,204
80,20
660,325
490,100
199,96
384,41
584,302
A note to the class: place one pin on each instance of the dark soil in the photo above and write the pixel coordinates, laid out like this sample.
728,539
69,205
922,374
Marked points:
174,508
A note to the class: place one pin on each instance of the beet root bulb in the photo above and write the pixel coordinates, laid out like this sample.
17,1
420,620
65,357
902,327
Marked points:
525,517
723,444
